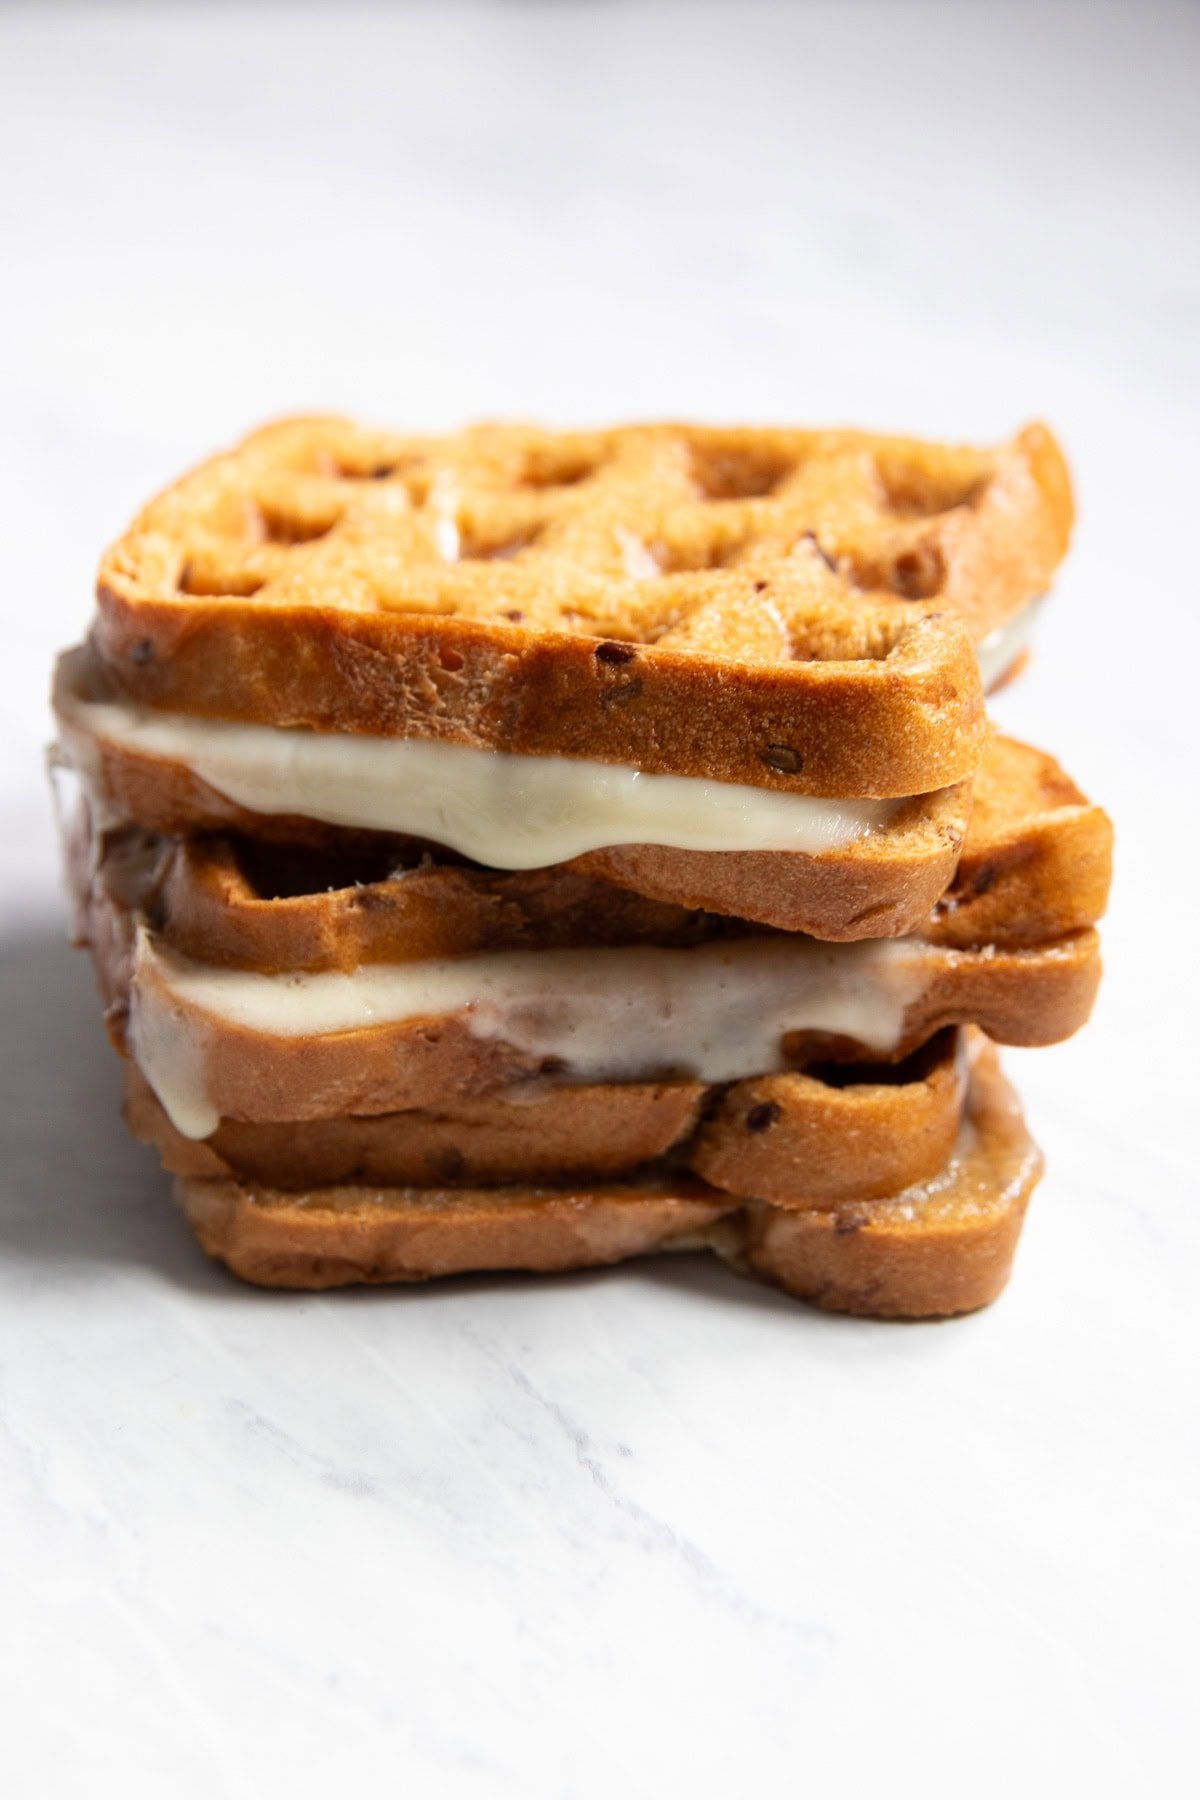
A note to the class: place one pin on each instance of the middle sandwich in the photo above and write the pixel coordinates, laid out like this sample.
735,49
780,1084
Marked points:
263,985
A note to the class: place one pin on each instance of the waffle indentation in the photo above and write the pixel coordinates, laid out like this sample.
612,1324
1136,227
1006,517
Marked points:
730,543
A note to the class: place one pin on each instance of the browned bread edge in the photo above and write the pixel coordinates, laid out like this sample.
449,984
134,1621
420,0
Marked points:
940,1248
793,1139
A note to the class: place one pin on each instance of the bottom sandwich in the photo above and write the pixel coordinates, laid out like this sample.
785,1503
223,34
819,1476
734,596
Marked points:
941,1246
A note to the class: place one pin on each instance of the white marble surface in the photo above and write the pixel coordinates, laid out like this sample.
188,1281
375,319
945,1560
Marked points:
649,1531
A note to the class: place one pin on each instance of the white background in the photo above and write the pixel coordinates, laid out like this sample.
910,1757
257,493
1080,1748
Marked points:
652,1531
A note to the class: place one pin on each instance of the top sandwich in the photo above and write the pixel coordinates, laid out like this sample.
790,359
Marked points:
797,611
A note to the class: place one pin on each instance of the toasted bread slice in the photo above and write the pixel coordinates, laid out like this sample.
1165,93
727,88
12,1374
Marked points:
1036,863
814,1139
786,609
940,1247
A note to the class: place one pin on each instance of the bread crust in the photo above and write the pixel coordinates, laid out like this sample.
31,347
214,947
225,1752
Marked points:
1037,860
941,1247
794,1139
686,600
932,1252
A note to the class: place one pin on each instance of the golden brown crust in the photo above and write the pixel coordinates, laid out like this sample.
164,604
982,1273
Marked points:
908,721
1037,861
326,911
937,1250
804,1140
941,1247
787,609
1035,865
880,886
351,1235
796,1139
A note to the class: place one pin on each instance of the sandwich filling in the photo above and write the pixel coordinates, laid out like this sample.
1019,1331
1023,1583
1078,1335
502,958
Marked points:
508,812
1000,649
717,1012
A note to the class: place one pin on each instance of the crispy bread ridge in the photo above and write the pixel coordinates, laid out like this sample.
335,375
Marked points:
794,1139
1037,861
933,1252
787,609
941,1247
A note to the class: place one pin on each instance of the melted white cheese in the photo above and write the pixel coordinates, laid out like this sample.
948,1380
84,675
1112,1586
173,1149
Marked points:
509,812
999,650
718,1012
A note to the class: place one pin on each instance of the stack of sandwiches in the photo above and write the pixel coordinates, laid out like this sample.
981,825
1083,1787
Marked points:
528,850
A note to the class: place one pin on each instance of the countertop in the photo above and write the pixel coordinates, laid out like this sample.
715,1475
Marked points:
650,1530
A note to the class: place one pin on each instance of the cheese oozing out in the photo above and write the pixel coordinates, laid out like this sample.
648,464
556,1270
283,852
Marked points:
716,1012
509,812
999,650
